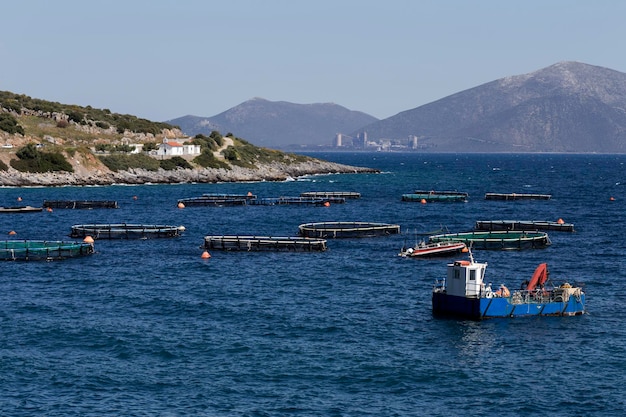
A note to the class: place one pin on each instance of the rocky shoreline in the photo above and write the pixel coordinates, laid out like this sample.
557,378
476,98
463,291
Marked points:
272,172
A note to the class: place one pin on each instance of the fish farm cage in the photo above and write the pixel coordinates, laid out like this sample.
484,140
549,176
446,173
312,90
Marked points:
493,225
79,204
435,196
347,229
42,250
264,243
331,194
211,202
516,196
280,201
125,231
497,240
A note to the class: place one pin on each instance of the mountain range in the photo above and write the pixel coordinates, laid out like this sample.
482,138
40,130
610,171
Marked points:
278,124
566,107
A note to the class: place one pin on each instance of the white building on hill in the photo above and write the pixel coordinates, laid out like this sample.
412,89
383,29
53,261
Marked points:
174,147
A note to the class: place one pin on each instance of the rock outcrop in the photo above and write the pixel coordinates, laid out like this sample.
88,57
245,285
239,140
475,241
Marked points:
272,172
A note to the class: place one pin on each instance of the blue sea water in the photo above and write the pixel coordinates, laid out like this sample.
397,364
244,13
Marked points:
148,327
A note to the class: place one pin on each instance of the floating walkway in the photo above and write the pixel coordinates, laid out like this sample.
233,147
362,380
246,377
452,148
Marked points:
435,196
125,231
264,243
331,194
514,196
329,230
499,240
42,250
491,225
80,204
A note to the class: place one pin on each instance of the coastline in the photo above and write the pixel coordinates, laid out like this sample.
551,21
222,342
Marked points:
271,172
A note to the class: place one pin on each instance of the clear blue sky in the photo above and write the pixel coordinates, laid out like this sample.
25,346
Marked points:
162,59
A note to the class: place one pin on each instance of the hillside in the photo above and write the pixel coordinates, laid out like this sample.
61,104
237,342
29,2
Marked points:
47,143
567,107
279,124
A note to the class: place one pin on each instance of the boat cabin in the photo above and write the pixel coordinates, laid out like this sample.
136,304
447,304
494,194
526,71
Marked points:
465,279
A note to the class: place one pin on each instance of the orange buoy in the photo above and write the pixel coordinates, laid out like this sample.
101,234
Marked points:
423,201
19,199
134,197
465,250
12,233
88,239
250,194
181,205
560,221
326,203
612,199
205,255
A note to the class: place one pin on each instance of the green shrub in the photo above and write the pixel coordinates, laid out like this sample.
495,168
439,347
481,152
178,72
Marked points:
174,163
205,142
207,160
3,166
76,116
33,160
149,146
122,162
9,124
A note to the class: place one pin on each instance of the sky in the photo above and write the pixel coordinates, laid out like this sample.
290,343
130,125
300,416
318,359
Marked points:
162,59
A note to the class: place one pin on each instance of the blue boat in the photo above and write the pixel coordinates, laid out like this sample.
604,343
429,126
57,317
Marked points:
464,293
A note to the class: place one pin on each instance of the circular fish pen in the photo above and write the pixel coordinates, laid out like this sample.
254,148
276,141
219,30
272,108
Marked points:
497,240
42,250
335,230
125,231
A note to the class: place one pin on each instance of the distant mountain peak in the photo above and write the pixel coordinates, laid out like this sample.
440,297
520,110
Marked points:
278,124
569,106
566,107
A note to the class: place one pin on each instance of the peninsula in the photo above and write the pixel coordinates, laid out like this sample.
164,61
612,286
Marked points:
49,144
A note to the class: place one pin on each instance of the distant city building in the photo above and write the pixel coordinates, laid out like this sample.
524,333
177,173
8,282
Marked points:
412,141
338,140
360,141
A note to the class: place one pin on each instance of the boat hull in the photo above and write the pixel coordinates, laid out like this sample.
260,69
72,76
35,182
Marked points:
483,308
435,250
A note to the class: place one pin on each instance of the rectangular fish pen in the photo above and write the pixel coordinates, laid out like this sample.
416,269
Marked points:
79,204
42,250
264,243
125,231
276,201
211,202
331,194
515,196
432,196
491,225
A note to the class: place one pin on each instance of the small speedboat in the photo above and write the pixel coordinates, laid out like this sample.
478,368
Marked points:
428,250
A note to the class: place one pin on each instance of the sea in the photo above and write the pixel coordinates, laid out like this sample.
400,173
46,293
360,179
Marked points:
151,328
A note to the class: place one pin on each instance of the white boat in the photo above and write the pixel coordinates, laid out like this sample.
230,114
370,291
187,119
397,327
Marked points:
427,250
